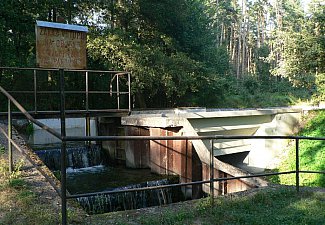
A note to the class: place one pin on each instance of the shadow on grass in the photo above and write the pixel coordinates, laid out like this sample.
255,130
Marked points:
269,206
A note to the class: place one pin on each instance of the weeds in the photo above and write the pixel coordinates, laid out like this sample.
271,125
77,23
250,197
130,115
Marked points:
4,170
2,150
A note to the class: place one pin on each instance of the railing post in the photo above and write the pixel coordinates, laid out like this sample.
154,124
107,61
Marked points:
87,92
212,173
118,91
88,128
297,164
10,137
63,150
35,91
129,85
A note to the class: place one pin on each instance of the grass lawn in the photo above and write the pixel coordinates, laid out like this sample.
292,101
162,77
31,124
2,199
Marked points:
19,204
312,154
268,206
281,205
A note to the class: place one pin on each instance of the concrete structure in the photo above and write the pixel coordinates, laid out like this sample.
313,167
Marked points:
74,127
190,159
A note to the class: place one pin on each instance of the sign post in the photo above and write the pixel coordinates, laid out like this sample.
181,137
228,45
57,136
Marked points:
60,45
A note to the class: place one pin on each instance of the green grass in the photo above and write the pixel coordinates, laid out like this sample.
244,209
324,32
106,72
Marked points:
19,204
280,206
2,150
312,154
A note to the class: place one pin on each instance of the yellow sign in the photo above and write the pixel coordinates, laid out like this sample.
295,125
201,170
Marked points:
60,45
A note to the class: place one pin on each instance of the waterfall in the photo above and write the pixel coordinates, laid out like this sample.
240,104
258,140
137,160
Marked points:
77,157
87,171
130,200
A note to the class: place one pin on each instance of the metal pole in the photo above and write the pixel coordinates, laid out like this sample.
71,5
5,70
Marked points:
35,91
63,151
118,91
88,128
186,171
186,163
10,137
297,164
212,173
87,92
129,84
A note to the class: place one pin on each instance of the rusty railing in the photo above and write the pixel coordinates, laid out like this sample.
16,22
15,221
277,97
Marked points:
64,139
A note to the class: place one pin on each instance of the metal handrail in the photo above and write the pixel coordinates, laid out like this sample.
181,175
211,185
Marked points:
65,138
28,116
209,137
177,185
87,92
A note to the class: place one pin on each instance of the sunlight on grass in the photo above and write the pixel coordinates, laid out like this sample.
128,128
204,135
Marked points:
279,206
312,155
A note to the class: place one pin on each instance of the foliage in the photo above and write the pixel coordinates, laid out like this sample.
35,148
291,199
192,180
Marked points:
311,154
320,84
184,53
29,128
302,56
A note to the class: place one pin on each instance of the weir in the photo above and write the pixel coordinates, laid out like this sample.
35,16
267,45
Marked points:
77,157
89,171
212,166
189,159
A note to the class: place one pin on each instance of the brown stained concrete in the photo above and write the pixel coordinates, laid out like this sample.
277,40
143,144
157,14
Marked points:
183,123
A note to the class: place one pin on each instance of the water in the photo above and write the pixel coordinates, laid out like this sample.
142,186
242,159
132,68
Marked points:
87,171
77,157
128,200
100,178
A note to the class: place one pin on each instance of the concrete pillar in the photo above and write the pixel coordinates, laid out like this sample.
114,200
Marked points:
137,152
109,127
171,157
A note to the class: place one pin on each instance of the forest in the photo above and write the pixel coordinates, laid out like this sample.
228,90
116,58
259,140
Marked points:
207,53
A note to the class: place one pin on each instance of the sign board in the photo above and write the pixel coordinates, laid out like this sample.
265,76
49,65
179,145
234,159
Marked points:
60,45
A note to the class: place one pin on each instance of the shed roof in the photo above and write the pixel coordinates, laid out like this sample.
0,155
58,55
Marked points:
61,26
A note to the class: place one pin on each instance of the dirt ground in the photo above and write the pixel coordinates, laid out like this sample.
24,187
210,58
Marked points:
45,192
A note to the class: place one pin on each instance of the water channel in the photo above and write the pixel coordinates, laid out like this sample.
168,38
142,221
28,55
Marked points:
88,171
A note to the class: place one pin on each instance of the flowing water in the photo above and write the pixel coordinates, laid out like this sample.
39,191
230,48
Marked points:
87,171
77,157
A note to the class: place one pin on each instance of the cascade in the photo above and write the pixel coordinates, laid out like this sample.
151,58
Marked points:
130,200
77,157
87,171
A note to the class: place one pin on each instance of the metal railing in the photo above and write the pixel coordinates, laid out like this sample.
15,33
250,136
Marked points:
64,139
112,88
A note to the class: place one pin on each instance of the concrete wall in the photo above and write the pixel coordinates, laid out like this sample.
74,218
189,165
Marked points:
111,126
257,153
177,157
171,157
264,153
137,153
74,127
